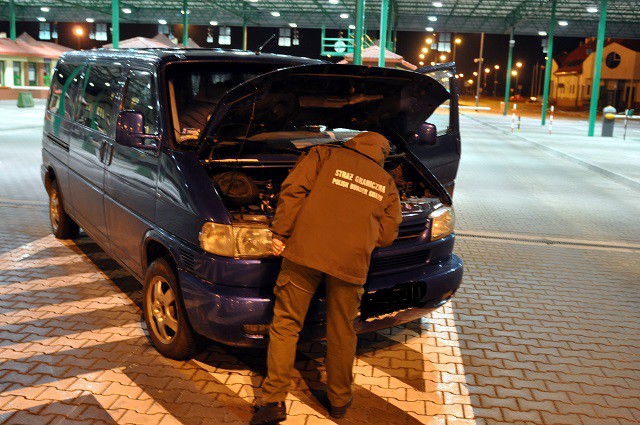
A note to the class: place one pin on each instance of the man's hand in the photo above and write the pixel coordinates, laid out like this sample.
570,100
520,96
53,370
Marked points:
277,246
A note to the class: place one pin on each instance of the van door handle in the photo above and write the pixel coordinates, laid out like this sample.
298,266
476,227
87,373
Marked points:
111,149
103,150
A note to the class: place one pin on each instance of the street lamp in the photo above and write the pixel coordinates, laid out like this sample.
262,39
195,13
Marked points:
495,80
486,75
78,31
516,74
457,41
519,64
443,58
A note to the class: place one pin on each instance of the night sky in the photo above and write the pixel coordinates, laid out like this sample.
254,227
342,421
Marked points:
527,48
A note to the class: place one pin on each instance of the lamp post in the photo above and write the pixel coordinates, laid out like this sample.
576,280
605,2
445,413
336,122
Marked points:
516,74
457,41
486,75
495,80
78,31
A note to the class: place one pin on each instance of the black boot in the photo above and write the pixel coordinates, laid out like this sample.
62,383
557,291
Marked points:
270,413
340,412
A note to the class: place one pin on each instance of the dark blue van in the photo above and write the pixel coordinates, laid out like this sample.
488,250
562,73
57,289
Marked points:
139,147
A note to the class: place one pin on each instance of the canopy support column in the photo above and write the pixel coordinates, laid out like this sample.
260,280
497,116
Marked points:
547,70
244,34
185,24
384,9
507,87
595,88
359,36
115,23
480,60
12,20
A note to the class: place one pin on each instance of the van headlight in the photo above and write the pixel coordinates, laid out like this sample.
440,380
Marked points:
238,241
442,222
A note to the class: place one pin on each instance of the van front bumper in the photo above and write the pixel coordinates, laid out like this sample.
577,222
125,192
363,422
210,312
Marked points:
220,312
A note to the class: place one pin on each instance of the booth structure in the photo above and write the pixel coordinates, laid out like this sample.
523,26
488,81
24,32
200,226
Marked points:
159,41
26,65
371,56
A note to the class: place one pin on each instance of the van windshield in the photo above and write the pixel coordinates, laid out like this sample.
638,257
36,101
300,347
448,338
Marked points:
196,88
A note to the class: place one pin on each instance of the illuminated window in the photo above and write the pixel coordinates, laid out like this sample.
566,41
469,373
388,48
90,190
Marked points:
224,36
101,32
285,37
45,31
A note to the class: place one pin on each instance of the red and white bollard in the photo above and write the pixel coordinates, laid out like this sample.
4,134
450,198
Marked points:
513,118
551,120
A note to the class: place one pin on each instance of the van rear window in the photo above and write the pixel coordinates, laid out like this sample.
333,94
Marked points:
64,89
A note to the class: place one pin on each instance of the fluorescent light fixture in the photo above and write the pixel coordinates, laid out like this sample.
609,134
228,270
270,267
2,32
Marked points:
213,23
563,23
344,15
334,1
90,20
41,19
592,9
126,10
429,29
352,27
45,9
542,33
437,4
253,1
293,25
162,21
276,14
432,18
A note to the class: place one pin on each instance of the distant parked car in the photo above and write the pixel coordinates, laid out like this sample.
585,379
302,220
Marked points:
172,160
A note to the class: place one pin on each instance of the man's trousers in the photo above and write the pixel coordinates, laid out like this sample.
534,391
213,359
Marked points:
294,290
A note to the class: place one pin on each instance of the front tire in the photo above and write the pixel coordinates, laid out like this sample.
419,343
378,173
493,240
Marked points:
164,313
62,226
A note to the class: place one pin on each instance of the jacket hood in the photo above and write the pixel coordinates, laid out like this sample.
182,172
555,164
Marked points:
371,144
384,100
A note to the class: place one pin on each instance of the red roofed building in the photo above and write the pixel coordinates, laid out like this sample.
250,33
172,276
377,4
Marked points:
26,64
572,75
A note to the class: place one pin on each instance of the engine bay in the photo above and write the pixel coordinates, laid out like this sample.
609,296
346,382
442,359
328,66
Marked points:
249,187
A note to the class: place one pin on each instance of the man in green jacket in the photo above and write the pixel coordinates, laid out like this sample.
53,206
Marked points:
335,207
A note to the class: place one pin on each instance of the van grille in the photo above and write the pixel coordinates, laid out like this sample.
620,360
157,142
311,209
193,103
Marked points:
187,260
413,259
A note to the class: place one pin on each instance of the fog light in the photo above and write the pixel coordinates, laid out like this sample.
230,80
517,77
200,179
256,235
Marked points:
255,329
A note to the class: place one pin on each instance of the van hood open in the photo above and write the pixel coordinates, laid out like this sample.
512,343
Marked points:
389,101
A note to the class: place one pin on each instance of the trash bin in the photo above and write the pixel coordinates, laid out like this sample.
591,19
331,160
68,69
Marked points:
25,100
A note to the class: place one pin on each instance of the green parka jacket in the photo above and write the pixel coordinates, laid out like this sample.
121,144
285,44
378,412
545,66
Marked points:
337,205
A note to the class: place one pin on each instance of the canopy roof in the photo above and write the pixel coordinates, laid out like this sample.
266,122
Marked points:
27,46
490,16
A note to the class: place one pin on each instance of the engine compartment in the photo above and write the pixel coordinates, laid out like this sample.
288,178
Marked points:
250,188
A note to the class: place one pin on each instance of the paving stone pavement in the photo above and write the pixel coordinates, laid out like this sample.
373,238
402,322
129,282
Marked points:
537,334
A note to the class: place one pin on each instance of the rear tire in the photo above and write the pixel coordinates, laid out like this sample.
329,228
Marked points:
164,313
62,226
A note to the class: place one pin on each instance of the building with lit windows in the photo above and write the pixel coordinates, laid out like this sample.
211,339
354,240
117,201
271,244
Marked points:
572,75
26,65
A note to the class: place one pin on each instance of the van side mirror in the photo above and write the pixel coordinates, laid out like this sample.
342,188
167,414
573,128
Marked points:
130,131
427,134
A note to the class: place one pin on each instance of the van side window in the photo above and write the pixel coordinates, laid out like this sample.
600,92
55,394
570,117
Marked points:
97,109
64,89
141,97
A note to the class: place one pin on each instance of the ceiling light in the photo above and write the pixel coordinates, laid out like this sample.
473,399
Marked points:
563,23
126,10
344,15
276,14
162,21
352,27
437,4
213,23
90,20
253,1
45,9
592,9
293,25
542,33
432,18
41,19
429,29
334,1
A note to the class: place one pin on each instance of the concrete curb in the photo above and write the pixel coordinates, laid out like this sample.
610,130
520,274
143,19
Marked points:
633,184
